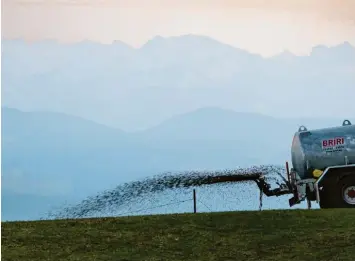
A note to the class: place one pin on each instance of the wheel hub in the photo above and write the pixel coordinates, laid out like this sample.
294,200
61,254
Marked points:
349,195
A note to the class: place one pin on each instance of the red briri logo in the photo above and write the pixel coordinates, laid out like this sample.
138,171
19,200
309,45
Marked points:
332,142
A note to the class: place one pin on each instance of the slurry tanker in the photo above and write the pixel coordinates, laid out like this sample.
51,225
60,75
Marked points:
323,168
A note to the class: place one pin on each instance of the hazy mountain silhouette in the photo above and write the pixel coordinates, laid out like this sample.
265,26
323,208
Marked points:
134,89
49,158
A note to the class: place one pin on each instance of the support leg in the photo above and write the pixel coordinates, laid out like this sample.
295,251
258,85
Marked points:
261,200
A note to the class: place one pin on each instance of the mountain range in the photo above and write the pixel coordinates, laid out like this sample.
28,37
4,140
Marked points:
137,88
50,158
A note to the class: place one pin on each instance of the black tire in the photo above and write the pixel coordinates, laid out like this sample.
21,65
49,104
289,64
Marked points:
346,183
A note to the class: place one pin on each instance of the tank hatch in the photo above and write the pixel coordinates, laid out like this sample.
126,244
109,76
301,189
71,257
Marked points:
302,128
346,123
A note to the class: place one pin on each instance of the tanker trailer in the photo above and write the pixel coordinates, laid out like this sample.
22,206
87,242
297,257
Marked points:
323,168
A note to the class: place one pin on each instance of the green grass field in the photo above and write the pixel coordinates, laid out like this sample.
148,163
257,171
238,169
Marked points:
267,235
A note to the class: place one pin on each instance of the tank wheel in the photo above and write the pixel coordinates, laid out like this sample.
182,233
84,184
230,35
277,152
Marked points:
346,192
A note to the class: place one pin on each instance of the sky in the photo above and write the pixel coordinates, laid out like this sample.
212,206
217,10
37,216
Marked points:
264,27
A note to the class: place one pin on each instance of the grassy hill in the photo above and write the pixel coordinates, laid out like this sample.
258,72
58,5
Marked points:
267,235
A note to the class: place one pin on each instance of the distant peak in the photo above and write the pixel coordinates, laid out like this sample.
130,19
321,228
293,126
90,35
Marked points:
192,41
344,49
7,108
157,38
346,44
121,44
285,53
189,38
320,47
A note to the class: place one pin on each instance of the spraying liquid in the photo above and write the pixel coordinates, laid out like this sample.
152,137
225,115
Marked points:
127,193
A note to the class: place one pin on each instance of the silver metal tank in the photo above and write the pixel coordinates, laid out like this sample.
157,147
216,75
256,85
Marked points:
321,148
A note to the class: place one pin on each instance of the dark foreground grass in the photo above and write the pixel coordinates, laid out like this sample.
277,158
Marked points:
267,235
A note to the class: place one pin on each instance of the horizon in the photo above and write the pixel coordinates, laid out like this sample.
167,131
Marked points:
56,41
266,29
320,117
